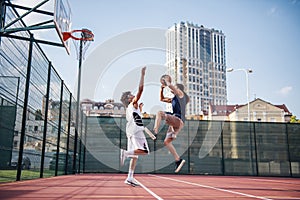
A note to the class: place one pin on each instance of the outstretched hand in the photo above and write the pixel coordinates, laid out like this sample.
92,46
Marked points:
143,71
166,81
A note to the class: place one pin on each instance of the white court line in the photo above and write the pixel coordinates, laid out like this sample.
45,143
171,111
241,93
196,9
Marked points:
210,187
274,181
149,191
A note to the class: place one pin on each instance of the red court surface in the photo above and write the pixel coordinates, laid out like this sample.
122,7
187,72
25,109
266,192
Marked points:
152,186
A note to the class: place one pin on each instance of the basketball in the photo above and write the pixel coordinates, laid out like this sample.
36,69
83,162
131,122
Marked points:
165,77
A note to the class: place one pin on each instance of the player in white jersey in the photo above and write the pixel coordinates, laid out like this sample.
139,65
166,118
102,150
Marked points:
136,140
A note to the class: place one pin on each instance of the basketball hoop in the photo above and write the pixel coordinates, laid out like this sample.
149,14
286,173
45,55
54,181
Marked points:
85,36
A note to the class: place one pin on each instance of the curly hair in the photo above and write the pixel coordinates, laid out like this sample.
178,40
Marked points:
124,98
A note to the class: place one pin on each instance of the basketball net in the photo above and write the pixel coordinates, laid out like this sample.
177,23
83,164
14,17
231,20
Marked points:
81,39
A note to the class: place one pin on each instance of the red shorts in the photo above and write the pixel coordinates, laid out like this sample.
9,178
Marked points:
175,123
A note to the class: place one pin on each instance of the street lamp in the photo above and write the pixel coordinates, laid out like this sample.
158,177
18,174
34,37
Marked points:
247,72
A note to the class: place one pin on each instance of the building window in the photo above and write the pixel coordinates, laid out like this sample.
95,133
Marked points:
272,119
15,144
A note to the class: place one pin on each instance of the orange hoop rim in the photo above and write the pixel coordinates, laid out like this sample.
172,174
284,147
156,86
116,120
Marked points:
68,35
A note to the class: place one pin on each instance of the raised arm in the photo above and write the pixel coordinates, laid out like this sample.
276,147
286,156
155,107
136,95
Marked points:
162,97
175,90
141,87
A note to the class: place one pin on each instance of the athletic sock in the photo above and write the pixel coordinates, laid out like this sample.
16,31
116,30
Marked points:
130,174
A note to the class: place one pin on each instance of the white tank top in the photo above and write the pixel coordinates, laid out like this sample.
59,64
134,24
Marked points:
134,120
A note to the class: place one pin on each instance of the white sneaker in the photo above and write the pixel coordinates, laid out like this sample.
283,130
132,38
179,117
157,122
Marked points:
122,157
131,182
178,165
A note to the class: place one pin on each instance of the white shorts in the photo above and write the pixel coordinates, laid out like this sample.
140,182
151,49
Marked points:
137,141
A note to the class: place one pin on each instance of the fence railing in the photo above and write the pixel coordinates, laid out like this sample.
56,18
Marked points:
209,147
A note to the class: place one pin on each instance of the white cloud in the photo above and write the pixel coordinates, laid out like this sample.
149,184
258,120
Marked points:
285,90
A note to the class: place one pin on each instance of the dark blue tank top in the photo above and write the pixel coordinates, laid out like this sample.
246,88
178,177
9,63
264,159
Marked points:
178,106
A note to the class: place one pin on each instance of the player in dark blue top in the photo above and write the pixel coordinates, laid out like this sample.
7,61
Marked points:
176,119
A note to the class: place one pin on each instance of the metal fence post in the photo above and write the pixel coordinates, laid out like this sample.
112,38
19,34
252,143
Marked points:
24,116
255,146
84,148
80,143
251,150
59,127
2,15
222,148
69,132
45,120
288,149
189,148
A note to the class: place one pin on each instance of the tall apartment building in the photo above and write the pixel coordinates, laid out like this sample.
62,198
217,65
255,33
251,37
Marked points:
196,58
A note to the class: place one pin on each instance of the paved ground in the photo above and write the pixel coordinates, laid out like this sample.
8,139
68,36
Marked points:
152,186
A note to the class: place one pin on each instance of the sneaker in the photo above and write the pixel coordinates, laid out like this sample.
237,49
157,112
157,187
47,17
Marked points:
178,165
122,157
132,182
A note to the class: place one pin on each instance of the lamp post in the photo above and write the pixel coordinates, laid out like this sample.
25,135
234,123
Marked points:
247,72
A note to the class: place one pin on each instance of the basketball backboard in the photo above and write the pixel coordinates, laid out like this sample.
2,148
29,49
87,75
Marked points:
62,20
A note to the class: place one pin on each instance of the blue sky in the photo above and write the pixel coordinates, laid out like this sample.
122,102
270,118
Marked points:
260,34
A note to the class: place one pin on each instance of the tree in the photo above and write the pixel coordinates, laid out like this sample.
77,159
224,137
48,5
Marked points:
294,119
